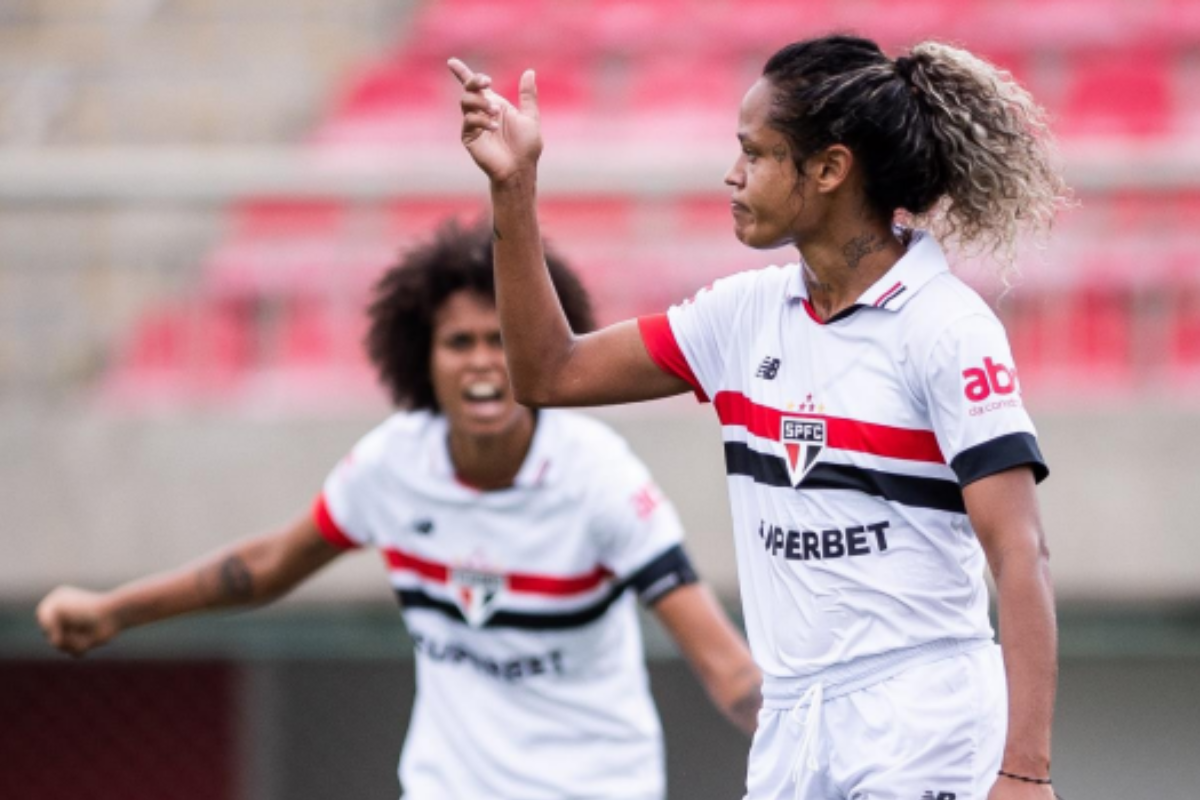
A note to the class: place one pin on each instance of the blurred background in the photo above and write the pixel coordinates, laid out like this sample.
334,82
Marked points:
196,196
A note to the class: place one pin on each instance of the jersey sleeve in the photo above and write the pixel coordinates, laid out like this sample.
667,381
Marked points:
975,402
337,510
639,533
690,339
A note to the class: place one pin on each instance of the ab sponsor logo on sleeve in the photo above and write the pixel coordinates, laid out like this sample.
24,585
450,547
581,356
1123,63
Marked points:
990,387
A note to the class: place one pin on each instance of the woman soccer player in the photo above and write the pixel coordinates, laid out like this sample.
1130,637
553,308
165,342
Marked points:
510,537
875,440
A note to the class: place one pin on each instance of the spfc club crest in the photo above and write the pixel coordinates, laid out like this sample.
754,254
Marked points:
804,439
476,591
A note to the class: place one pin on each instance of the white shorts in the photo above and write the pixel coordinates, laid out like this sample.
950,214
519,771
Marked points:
934,731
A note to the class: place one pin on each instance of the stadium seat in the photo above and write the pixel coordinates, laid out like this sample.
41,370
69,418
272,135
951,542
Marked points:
1183,340
1124,93
1099,332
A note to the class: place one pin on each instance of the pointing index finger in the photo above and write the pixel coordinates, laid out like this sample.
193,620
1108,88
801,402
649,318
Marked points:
460,70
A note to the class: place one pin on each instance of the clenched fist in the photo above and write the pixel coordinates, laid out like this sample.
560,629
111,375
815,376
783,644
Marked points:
76,620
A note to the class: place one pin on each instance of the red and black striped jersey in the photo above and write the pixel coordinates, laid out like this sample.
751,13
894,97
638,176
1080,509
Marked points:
527,646
847,445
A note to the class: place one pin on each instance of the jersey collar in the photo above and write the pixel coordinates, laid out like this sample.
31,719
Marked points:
535,469
923,262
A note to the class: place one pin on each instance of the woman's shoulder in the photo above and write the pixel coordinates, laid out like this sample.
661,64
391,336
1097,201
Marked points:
585,441
945,300
400,433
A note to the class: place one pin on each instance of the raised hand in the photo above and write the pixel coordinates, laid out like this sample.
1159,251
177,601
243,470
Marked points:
504,139
76,620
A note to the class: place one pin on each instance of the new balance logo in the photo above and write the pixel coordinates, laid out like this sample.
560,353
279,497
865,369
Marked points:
939,796
423,526
768,369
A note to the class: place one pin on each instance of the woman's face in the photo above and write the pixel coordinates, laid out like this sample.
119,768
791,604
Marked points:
767,197
467,367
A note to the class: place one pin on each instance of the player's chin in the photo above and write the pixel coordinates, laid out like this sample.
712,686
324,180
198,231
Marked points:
758,238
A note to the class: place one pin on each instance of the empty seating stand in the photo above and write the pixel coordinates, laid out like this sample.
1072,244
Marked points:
1115,299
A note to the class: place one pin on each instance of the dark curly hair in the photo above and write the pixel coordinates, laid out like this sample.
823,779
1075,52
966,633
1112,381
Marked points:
407,296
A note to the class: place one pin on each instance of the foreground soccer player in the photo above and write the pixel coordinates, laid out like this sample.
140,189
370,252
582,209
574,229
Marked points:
875,439
511,539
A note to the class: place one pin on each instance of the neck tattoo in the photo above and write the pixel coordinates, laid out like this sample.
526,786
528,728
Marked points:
860,247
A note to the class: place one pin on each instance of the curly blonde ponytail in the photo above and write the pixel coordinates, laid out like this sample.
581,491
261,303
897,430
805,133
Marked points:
997,151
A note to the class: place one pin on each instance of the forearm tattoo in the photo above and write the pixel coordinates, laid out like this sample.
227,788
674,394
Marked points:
860,247
234,581
496,237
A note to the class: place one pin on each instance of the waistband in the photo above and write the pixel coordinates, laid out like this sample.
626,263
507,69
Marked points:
790,693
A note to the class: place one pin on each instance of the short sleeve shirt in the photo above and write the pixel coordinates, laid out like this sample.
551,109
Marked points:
847,445
527,645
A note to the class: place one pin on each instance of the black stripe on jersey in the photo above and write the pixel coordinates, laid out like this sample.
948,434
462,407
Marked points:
999,454
523,620
663,575
908,490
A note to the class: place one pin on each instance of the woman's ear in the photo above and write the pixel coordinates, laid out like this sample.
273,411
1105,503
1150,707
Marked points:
830,168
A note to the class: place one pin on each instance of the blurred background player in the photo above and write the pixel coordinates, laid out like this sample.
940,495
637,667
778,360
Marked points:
878,452
515,541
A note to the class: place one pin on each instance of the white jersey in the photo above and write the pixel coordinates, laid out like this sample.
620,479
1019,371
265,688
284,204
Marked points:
847,444
531,681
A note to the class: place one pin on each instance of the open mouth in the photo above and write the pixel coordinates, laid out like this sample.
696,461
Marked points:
483,392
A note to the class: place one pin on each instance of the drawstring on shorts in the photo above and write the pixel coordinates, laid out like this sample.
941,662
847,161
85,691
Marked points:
808,754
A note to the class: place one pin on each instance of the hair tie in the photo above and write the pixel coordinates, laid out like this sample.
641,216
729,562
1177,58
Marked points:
904,68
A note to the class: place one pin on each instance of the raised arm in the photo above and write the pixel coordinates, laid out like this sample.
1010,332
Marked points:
548,364
715,651
253,571
1004,512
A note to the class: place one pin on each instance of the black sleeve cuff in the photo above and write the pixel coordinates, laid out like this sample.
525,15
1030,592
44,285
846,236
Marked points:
663,575
999,454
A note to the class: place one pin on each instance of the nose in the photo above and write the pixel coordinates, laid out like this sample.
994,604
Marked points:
484,356
736,175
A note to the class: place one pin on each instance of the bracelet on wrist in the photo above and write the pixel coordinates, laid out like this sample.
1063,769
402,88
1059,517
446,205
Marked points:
1015,777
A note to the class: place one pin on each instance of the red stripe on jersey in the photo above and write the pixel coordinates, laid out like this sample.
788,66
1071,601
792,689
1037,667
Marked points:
883,298
328,528
812,312
842,434
541,584
664,351
398,559
516,582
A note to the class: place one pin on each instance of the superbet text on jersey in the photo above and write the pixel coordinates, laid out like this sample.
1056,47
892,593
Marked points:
528,650
847,445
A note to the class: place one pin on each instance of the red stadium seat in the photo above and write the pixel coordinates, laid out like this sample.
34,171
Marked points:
1099,332
1124,93
307,332
572,219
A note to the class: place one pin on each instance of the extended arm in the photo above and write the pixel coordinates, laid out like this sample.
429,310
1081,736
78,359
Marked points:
715,651
253,571
1003,509
548,364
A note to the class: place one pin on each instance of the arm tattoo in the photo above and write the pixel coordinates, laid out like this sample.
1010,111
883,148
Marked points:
234,580
860,247
496,237
779,152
